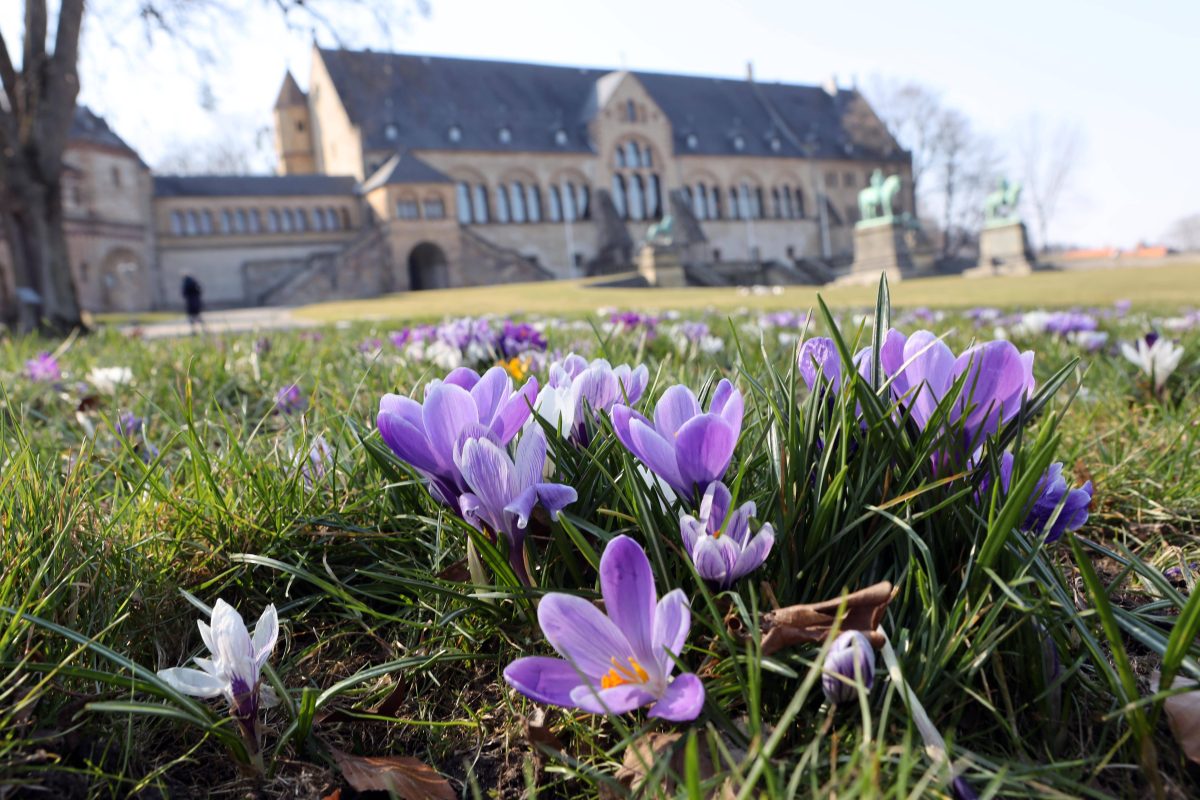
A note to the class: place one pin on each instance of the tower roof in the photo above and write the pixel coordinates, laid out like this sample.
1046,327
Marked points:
290,94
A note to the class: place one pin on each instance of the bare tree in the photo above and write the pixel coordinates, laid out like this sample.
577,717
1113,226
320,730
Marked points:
913,113
37,105
1048,160
1184,233
222,156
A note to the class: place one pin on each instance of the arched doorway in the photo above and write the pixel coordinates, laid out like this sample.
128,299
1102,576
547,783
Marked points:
427,268
122,284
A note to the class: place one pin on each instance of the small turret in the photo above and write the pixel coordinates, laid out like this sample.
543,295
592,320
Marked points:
293,133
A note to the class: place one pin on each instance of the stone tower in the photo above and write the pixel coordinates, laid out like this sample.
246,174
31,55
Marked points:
293,130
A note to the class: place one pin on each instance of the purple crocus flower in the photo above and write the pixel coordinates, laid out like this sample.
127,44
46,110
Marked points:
574,382
1051,496
43,368
617,661
370,345
1067,322
851,661
719,542
129,424
923,370
684,446
518,338
290,400
819,361
428,436
503,492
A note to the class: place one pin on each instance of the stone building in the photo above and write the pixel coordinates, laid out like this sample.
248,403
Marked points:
567,166
403,172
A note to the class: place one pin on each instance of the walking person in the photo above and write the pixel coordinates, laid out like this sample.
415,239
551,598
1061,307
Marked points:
193,302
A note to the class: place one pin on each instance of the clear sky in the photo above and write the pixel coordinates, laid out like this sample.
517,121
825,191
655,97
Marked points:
1126,73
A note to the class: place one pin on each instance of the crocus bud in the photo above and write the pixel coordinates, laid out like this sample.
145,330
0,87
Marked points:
851,660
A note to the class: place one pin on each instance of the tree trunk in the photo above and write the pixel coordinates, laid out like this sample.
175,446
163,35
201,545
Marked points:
45,285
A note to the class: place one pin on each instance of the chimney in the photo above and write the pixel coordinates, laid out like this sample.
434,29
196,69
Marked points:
750,71
831,85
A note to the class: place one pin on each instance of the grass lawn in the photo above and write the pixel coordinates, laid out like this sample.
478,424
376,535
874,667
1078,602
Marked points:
406,568
1174,285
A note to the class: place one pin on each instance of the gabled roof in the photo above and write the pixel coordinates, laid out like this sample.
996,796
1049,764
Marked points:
413,101
403,168
289,93
252,185
88,126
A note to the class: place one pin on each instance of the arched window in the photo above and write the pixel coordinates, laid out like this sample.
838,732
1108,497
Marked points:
273,221
735,208
637,198
533,203
480,207
516,194
301,220
462,199
654,197
501,203
583,202
407,208
206,222
331,220
177,225
226,221
318,220
631,111
191,224
745,207
714,202
632,158
776,205
434,207
699,199
570,207
788,212
758,204
620,158
618,192
799,203
240,222
555,204
289,221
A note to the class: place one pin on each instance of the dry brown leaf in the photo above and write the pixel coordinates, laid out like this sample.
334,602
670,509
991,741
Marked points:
812,622
404,776
1183,713
537,730
643,754
336,794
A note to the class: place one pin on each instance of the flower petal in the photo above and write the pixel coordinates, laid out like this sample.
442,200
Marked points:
656,453
492,389
676,406
407,442
448,410
582,634
703,450
627,585
714,506
714,558
682,701
754,553
464,377
266,632
672,621
617,700
513,412
488,471
554,497
530,460
544,679
193,682
727,403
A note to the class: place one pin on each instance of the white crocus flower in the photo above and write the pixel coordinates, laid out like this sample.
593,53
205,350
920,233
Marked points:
107,379
235,669
1157,361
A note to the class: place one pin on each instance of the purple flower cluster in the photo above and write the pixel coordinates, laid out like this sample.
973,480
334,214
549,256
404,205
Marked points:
519,338
1063,323
43,368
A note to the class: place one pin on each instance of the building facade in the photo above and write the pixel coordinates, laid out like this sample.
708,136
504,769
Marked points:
403,172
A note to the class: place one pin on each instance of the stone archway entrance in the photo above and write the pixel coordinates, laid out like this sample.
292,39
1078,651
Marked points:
122,282
427,268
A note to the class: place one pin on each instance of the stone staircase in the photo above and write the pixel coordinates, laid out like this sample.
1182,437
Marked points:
485,262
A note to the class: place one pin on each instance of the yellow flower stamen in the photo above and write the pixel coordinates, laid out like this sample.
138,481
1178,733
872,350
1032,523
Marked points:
717,534
517,367
620,675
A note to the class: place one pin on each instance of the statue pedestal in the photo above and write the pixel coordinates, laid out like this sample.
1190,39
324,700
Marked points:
661,266
879,246
1003,250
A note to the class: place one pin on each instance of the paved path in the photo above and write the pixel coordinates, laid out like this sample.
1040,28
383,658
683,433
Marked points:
237,320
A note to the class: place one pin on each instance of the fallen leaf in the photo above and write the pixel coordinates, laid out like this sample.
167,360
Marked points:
1183,714
456,572
336,794
406,777
537,730
812,622
649,750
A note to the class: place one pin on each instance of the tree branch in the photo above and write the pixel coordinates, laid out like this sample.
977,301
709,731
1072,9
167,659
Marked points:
8,74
